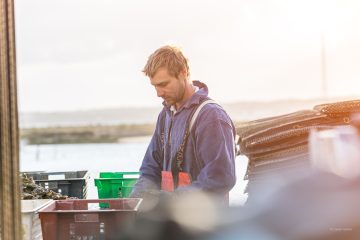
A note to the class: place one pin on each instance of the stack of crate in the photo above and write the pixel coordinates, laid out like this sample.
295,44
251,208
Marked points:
277,147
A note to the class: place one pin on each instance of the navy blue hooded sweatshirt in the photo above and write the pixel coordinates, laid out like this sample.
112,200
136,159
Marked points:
209,154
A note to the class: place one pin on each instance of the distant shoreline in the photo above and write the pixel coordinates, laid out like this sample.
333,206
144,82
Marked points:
57,132
137,139
120,133
123,133
87,134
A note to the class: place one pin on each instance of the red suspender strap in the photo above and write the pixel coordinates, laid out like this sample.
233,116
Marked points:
167,181
184,179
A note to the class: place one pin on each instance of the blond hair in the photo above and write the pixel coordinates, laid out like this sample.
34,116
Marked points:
170,57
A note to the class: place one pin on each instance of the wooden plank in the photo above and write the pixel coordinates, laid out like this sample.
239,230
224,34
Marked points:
9,140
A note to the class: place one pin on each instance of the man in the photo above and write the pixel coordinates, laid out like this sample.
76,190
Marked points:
178,158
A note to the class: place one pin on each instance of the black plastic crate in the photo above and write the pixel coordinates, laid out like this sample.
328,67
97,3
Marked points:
72,184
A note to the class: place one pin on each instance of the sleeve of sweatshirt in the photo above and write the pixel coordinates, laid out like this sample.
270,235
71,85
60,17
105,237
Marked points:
150,170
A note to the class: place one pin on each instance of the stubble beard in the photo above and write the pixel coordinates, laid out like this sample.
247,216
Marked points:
181,92
179,96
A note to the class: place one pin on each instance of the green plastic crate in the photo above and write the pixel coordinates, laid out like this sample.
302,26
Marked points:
115,184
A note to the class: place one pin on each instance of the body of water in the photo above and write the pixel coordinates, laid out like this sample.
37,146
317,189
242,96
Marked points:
114,157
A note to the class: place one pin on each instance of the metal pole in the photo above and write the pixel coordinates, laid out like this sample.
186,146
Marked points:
323,67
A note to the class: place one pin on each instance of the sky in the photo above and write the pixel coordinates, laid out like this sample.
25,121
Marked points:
88,54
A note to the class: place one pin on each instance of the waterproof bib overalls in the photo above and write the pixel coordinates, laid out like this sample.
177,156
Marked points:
170,180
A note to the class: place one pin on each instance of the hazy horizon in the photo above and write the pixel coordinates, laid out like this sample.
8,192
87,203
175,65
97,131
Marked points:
239,111
159,105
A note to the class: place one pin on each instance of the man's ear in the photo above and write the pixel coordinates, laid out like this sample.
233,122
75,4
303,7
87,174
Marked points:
184,73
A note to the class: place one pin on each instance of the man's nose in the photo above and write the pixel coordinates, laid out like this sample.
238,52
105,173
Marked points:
159,92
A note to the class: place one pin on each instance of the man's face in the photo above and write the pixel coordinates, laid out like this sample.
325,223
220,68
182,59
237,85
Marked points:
168,87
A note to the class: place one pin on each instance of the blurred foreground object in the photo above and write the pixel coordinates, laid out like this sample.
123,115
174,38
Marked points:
318,205
186,216
336,150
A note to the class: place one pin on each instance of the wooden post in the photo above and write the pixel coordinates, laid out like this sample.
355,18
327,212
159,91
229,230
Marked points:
9,140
